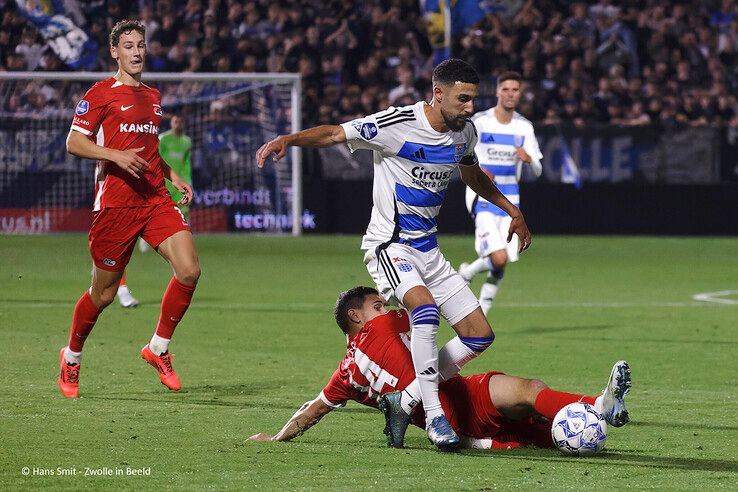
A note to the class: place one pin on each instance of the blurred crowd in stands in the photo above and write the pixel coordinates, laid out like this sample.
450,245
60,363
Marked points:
628,62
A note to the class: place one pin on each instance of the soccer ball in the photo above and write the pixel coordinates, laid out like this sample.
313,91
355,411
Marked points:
579,430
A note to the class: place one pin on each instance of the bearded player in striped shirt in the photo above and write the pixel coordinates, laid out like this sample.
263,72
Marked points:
416,150
117,124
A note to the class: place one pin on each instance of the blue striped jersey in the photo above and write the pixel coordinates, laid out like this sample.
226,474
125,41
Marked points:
496,153
413,164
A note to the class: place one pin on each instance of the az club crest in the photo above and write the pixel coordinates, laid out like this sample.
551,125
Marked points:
157,110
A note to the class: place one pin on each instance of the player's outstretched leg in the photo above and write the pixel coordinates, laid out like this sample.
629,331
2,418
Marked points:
469,270
611,404
396,419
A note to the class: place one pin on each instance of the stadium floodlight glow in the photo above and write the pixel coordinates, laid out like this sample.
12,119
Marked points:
227,115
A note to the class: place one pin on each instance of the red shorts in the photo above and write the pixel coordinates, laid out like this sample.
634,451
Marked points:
114,231
468,407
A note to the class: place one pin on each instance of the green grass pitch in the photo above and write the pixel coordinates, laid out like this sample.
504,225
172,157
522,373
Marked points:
259,341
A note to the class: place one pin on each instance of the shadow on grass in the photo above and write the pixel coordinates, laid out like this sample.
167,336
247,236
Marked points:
223,395
542,330
682,425
616,458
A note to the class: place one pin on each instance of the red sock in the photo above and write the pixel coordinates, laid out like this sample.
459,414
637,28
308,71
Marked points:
122,279
174,305
83,319
549,402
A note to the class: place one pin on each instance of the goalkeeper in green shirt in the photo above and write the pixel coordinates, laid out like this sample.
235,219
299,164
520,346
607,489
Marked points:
175,148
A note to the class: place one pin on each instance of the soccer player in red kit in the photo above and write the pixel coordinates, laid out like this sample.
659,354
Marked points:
488,410
117,124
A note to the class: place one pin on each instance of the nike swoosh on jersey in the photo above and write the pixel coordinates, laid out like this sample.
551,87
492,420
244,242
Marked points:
126,108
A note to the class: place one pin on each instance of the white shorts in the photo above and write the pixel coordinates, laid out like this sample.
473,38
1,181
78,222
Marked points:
400,267
491,235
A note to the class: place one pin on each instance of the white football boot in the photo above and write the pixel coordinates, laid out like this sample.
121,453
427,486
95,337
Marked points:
611,404
125,298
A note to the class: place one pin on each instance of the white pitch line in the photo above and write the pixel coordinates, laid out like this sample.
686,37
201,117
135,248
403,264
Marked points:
716,297
306,307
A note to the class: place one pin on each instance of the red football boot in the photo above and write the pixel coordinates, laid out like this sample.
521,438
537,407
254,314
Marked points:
163,365
68,377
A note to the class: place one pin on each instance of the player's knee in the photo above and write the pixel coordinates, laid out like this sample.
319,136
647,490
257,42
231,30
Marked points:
104,298
498,261
533,387
189,275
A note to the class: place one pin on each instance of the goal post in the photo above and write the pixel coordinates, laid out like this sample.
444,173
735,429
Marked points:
228,116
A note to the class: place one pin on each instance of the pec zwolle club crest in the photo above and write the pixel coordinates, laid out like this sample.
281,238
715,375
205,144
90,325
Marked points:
459,150
402,264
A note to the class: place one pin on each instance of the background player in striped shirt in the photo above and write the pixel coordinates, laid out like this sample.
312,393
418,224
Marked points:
117,124
489,410
416,149
506,143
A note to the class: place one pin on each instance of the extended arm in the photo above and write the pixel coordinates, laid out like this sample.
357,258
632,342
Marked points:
476,179
307,416
128,160
319,136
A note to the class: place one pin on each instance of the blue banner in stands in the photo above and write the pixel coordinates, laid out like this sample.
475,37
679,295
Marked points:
70,43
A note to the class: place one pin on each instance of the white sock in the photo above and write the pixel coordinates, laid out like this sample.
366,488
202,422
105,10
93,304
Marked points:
410,397
72,357
424,350
477,266
487,295
452,357
158,345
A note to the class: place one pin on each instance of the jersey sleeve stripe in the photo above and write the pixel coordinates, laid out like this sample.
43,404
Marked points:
328,402
81,130
394,122
393,115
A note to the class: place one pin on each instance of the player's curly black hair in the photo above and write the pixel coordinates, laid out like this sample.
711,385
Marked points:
453,70
124,27
350,299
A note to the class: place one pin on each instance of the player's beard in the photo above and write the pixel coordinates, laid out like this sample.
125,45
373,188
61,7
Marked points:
456,124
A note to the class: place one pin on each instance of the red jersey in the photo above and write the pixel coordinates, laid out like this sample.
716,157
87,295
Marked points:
378,361
121,117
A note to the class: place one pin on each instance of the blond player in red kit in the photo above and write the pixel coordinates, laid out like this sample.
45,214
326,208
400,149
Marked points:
117,124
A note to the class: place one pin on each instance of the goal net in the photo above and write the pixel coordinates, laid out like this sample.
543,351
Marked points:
228,117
